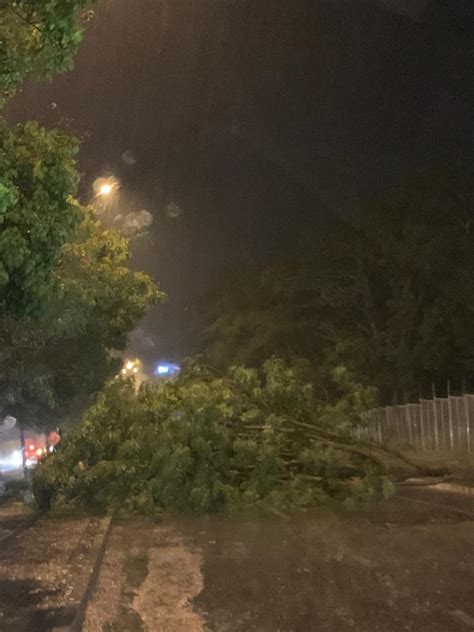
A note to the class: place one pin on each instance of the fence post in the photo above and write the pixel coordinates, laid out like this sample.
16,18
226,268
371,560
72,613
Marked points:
408,420
468,422
379,424
391,423
396,411
416,424
443,425
459,422
422,427
450,422
435,418
427,423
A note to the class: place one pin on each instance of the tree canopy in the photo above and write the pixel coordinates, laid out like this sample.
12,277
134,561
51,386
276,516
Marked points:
387,291
38,38
68,298
37,213
257,312
405,265
53,362
37,168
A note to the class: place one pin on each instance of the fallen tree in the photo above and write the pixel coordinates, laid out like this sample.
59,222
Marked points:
207,442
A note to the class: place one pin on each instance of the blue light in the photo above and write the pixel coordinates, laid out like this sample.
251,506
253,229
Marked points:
166,369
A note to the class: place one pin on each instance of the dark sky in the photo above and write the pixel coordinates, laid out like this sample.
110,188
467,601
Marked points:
256,116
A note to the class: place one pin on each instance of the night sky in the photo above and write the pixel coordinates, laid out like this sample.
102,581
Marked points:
255,117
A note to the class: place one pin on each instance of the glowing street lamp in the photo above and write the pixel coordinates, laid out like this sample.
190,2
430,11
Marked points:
131,367
106,187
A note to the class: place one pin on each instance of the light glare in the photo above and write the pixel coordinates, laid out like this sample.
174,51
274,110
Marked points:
170,369
105,189
106,186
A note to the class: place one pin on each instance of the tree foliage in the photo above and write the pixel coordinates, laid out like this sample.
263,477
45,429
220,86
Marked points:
39,38
205,443
52,362
258,312
37,212
388,291
406,268
67,296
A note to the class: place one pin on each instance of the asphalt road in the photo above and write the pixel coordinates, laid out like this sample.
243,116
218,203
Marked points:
405,565
45,565
12,517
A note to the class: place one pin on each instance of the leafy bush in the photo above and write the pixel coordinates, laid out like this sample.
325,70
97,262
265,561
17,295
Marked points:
203,443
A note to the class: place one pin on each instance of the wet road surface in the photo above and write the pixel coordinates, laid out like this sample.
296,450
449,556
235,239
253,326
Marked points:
45,565
403,565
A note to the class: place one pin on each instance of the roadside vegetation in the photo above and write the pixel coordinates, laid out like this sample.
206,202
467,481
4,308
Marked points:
368,315
208,442
386,290
378,305
68,298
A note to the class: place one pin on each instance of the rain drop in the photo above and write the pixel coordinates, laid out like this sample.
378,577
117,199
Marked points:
128,157
145,218
173,210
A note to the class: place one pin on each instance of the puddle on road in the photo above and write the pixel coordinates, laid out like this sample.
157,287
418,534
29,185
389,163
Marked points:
174,579
148,581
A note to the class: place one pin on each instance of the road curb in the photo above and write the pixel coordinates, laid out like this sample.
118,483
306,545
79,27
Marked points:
99,545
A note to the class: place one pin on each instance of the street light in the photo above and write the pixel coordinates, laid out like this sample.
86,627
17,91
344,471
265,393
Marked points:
132,369
131,366
106,187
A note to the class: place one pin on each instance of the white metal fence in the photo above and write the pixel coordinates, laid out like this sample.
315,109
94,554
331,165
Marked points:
439,424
